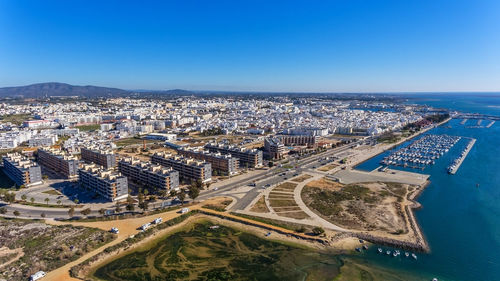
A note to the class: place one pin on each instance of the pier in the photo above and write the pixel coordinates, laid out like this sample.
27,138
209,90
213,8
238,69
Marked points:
454,167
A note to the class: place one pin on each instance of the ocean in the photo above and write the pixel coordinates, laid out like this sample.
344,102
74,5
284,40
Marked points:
460,220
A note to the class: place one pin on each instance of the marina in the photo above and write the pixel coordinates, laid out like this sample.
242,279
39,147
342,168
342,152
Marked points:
421,152
453,168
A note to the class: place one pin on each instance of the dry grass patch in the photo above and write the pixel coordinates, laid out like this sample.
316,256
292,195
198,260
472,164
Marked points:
282,202
294,215
363,206
260,206
325,183
287,186
327,168
301,178
289,208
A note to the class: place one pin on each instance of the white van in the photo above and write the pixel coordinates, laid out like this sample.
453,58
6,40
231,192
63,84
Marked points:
145,226
157,221
38,275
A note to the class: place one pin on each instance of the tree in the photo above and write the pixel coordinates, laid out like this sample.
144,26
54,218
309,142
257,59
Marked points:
270,164
32,200
162,193
10,197
45,177
42,215
85,212
46,200
59,202
182,196
144,205
130,207
146,192
140,197
71,212
23,197
16,213
76,201
118,209
194,192
3,210
318,230
173,193
22,186
102,211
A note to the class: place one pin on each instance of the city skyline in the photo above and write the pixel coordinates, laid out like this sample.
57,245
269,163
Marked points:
339,46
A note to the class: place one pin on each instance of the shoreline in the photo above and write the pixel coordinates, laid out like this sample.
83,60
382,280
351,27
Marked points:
399,142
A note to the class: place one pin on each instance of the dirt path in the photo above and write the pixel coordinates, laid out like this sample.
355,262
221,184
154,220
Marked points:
127,227
6,251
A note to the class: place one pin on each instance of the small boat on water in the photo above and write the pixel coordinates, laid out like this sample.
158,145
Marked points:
414,256
379,250
358,249
388,252
394,254
365,247
407,254
434,279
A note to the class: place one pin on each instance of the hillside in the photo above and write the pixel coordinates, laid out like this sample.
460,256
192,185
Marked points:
58,89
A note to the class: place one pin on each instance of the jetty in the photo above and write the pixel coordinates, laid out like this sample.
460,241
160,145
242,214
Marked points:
456,164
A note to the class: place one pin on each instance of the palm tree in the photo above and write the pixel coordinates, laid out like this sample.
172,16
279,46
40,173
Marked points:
102,211
16,213
23,197
59,202
46,200
32,200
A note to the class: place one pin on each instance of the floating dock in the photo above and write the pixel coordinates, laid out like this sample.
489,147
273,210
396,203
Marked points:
463,121
490,124
453,170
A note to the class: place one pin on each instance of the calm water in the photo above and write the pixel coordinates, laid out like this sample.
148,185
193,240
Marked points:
460,221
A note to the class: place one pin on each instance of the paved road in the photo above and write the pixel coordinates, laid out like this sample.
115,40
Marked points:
268,177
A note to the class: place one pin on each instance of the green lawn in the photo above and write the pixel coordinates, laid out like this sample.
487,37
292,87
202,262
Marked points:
16,118
92,127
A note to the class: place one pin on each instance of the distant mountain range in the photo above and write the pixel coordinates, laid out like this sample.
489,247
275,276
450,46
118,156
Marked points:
61,89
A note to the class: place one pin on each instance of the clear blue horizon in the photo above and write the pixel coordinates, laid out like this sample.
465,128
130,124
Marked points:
296,46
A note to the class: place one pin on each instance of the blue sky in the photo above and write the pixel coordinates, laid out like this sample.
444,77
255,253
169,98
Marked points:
328,46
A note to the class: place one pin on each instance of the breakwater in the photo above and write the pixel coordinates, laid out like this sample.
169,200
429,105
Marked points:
458,162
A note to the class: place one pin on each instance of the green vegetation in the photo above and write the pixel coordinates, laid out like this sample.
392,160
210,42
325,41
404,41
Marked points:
212,132
436,118
278,223
201,253
131,141
15,118
46,247
91,127
389,137
52,192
